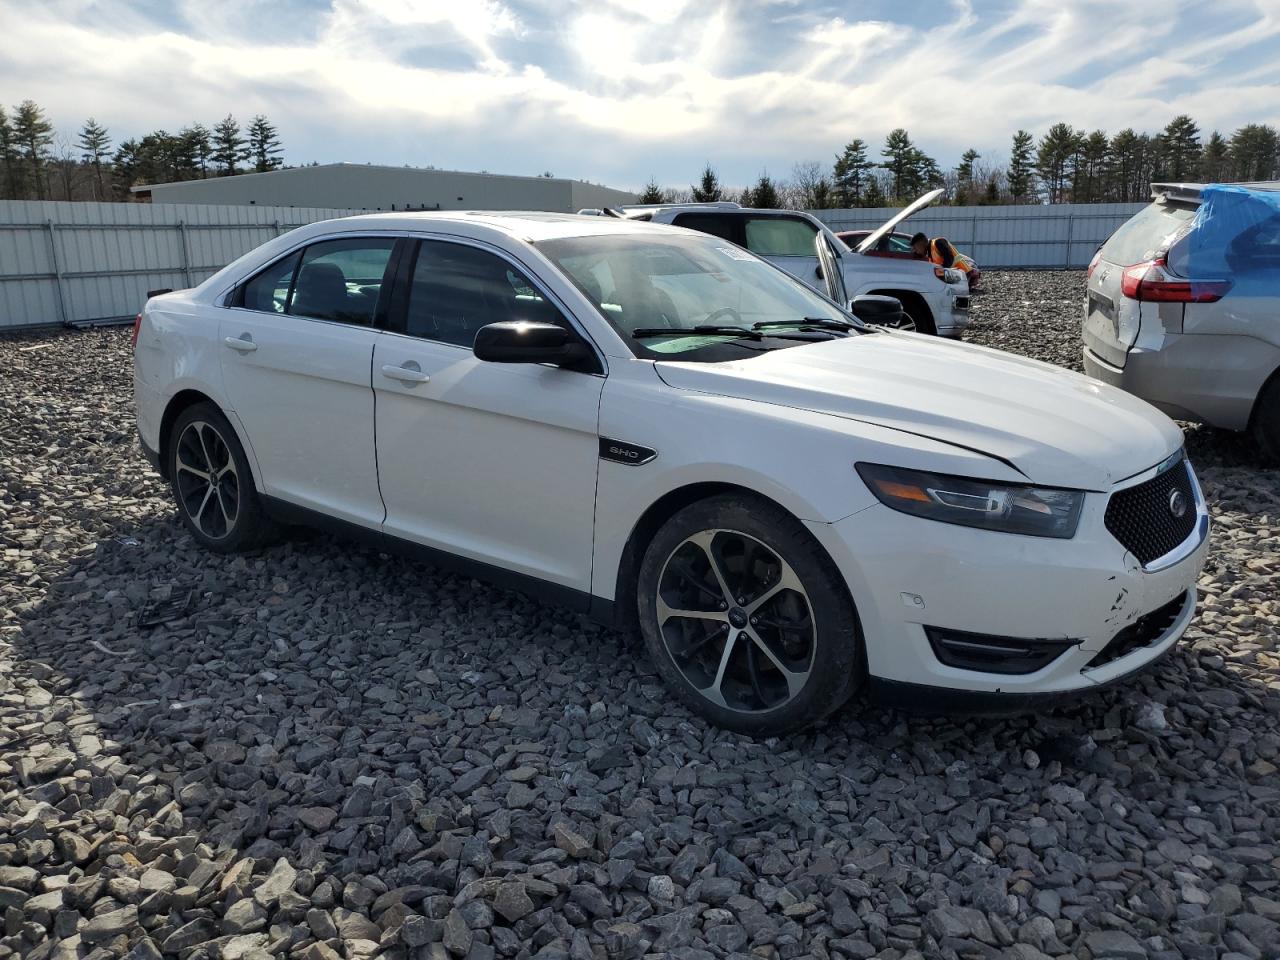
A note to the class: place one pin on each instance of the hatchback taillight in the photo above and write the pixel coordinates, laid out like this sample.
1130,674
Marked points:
137,325
1151,282
1093,264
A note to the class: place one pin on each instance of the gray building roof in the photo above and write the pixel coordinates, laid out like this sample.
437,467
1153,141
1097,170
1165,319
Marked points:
360,186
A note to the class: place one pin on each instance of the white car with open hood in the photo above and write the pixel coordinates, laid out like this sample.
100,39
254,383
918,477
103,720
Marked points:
935,299
654,425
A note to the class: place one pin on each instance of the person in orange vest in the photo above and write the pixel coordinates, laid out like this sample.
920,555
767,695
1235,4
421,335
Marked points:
940,252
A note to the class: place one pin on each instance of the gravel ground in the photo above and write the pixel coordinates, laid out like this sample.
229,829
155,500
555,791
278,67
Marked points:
341,754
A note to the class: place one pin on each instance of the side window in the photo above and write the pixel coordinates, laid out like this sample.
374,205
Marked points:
269,290
456,289
718,225
342,279
780,237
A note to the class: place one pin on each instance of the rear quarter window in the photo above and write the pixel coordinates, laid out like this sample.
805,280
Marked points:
1148,232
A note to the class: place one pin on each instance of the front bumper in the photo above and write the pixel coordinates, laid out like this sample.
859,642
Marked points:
906,573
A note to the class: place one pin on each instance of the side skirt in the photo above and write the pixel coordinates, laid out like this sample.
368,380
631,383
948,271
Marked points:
597,608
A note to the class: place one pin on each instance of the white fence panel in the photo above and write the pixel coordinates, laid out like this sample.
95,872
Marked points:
72,262
81,262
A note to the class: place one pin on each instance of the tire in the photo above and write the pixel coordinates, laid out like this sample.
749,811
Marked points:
229,518
795,644
922,319
1265,422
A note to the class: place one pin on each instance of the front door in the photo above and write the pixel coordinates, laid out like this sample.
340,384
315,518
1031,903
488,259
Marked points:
296,347
490,461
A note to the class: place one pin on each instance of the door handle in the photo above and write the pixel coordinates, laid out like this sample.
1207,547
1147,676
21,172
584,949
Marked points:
243,343
409,373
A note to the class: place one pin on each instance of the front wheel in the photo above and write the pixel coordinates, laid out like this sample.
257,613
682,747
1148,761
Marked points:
747,619
212,484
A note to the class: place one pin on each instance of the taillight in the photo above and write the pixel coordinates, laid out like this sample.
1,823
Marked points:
1151,282
137,324
1093,264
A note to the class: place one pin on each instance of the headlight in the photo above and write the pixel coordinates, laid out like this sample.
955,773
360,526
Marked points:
1034,511
948,274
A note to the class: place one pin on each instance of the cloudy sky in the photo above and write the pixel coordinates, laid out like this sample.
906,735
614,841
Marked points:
615,91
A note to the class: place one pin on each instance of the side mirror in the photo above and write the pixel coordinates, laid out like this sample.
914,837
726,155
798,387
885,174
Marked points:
881,311
516,341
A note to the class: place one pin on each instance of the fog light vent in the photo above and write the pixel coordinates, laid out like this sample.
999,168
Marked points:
988,654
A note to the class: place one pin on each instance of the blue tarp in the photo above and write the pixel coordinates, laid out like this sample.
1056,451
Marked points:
1235,235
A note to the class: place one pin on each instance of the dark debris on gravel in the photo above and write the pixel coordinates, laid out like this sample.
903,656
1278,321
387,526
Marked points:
337,753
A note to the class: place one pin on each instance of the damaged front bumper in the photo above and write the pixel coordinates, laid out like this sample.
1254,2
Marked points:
1078,595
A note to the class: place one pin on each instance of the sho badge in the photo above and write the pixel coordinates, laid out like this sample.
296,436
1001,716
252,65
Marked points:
621,452
1177,504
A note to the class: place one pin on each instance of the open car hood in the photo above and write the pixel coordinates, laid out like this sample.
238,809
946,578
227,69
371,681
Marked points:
887,227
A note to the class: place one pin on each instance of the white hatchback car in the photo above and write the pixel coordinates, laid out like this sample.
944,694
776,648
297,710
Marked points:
650,423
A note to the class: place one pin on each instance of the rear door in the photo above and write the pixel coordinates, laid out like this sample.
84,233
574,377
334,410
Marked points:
1112,321
296,346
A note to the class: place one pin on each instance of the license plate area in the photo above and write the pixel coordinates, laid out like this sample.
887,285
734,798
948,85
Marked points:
1102,308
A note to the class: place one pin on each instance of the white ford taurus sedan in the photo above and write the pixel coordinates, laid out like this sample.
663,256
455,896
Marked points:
653,424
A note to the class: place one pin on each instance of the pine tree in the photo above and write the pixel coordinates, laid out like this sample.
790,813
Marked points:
264,144
708,190
964,177
199,145
1181,155
874,196
652,193
1215,159
1020,170
852,171
1056,161
1088,184
33,132
903,161
765,194
746,200
94,144
8,157
228,145
1255,152
125,168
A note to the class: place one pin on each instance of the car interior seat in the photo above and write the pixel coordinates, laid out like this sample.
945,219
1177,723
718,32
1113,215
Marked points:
322,292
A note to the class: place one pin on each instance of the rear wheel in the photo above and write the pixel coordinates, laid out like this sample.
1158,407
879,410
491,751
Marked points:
212,484
1265,424
746,617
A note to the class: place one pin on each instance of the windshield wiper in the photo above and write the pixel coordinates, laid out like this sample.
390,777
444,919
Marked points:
727,330
813,323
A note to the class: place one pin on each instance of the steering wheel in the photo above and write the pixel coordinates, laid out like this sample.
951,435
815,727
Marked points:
723,312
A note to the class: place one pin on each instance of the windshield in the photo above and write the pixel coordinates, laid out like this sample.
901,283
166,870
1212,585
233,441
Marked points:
698,296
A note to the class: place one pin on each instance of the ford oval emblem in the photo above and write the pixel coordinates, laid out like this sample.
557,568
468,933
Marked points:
1177,504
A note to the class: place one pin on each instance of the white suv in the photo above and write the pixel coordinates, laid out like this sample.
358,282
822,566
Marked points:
654,425
935,298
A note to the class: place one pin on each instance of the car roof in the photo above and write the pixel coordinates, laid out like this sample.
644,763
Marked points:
528,225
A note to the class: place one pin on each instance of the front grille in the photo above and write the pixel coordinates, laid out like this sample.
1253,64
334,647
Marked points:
1143,632
1142,519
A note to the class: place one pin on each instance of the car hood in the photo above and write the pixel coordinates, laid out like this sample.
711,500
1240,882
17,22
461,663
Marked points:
887,227
1057,427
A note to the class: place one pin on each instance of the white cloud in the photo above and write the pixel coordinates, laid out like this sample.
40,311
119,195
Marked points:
617,89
